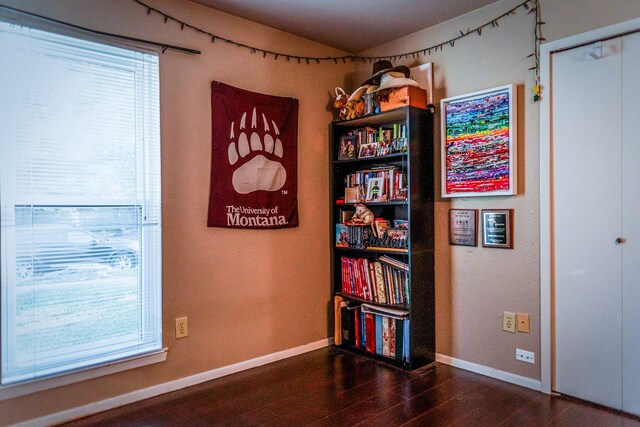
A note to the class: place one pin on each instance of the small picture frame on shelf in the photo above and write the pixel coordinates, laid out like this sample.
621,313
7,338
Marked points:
384,147
463,228
367,150
347,149
342,236
380,226
401,223
398,237
375,188
497,228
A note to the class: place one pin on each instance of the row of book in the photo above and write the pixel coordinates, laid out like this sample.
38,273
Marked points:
383,281
379,184
372,329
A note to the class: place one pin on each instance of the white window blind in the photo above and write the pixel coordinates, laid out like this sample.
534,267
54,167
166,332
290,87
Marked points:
80,249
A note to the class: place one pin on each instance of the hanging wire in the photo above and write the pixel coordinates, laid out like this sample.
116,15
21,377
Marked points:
163,46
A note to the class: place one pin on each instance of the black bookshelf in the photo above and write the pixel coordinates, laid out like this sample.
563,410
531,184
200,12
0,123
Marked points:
418,210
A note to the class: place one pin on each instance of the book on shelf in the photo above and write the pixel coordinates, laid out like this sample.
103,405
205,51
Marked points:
377,330
375,280
346,215
352,195
379,184
338,303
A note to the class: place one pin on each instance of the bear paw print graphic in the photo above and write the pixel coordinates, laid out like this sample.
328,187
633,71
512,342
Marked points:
257,156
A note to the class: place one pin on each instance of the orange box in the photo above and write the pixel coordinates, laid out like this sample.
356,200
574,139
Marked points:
403,96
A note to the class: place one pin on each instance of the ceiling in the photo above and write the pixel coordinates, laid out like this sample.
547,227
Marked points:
351,25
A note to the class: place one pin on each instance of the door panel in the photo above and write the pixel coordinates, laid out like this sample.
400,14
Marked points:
586,150
631,223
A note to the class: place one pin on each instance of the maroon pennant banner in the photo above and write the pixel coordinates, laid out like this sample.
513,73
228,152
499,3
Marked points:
254,159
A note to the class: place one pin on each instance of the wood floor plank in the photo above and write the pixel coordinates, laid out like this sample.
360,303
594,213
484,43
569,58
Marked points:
331,387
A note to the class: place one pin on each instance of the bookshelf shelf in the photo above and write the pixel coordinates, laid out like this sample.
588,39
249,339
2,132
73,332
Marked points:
374,159
362,300
382,291
393,203
374,249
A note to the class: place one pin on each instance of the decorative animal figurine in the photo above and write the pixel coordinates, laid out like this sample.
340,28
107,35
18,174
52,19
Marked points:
363,215
340,103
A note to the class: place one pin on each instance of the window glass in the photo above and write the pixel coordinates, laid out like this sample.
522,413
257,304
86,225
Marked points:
80,267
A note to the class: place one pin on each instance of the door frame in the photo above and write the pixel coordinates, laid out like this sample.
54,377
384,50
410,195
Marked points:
547,281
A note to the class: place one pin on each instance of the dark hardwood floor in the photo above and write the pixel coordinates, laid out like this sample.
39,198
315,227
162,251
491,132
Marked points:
329,387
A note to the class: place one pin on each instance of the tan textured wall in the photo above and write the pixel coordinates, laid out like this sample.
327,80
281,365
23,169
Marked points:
234,285
475,285
246,293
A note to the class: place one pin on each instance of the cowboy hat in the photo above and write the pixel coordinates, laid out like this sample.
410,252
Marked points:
391,80
382,67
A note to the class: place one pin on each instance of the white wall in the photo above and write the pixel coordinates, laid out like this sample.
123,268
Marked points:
475,285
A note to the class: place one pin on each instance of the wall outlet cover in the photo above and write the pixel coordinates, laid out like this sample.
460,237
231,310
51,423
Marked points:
508,321
525,356
522,320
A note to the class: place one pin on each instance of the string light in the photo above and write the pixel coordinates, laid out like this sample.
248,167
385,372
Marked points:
530,5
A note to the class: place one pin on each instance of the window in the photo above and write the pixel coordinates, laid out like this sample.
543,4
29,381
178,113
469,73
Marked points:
80,263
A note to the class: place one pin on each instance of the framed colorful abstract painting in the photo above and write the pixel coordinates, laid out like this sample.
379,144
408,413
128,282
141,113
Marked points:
479,143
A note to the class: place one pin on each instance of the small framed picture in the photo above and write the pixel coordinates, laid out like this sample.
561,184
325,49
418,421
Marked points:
401,223
342,240
367,150
380,226
497,228
347,149
463,228
375,188
398,237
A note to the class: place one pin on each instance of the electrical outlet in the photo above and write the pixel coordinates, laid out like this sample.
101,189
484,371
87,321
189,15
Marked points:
522,320
508,321
181,327
525,356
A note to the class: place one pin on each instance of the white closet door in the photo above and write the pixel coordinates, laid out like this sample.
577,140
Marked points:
586,156
631,223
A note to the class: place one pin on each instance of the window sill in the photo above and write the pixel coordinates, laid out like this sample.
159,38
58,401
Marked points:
10,392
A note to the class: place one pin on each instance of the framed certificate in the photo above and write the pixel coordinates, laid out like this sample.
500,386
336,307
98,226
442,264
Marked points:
497,228
463,227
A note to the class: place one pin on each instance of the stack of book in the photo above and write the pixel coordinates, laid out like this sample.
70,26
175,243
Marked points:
384,281
376,330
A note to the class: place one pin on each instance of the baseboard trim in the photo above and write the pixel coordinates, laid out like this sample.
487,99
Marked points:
490,372
138,395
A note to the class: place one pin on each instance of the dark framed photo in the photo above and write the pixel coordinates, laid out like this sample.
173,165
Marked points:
347,149
497,228
463,229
